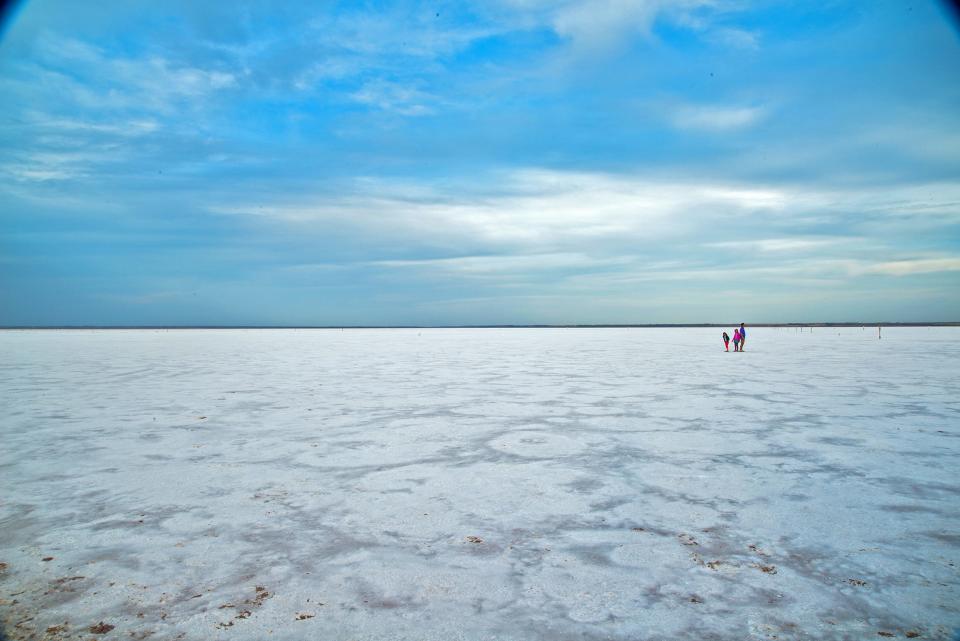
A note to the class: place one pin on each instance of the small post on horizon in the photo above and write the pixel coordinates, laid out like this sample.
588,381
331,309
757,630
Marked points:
879,337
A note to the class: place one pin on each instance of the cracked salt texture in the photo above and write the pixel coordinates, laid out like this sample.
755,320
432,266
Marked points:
480,484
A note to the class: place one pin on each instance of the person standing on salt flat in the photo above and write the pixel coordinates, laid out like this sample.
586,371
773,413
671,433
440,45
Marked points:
743,336
736,340
726,341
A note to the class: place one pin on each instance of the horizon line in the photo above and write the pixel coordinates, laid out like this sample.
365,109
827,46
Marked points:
502,326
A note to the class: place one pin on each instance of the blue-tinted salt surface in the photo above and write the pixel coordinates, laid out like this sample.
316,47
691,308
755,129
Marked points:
442,484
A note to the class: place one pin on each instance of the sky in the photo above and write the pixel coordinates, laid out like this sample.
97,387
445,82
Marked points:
488,162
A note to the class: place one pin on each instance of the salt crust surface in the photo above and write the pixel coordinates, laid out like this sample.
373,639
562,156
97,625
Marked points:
480,484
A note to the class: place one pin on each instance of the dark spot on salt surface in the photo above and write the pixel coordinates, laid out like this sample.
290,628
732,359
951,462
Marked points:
857,582
885,634
946,537
910,509
474,539
911,634
768,569
303,615
839,440
686,539
754,548
47,558
101,628
260,596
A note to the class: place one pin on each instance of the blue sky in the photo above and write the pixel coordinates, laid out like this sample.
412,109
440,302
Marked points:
505,161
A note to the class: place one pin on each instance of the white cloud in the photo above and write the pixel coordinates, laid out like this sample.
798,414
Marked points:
329,68
614,231
106,83
916,266
778,245
84,112
715,117
363,45
386,36
735,38
480,265
41,166
23,173
600,25
543,209
395,97
534,209
158,83
127,127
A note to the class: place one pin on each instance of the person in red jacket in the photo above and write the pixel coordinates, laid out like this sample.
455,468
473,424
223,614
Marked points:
726,341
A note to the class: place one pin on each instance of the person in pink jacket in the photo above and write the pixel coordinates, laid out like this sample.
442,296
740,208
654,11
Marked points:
736,340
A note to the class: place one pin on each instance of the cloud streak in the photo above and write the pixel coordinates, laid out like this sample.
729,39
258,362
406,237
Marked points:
716,118
916,266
